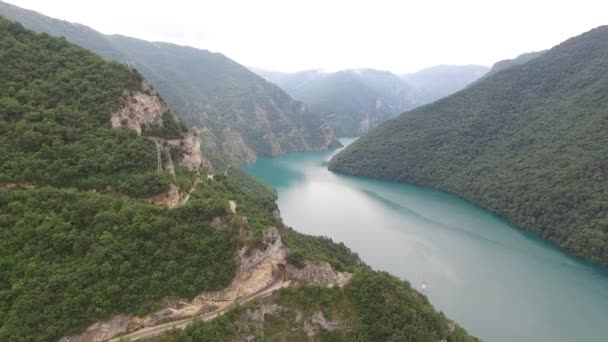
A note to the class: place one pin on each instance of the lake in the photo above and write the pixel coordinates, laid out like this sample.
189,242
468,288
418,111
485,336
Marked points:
498,282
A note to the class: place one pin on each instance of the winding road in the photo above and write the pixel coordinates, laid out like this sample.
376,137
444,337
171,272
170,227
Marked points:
277,283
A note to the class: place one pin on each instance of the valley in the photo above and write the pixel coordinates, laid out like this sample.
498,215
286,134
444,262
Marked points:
154,188
502,283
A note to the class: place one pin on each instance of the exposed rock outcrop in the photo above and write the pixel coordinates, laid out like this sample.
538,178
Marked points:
235,146
142,107
251,323
189,150
102,331
317,322
167,199
317,273
331,141
232,205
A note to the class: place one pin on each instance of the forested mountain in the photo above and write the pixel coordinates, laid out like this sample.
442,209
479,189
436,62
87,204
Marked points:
358,99
430,84
239,114
507,63
529,142
109,214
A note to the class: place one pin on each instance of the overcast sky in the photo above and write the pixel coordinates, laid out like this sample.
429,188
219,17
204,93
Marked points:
400,36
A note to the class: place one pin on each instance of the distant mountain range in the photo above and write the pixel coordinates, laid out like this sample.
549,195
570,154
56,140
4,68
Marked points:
529,141
431,84
238,113
356,100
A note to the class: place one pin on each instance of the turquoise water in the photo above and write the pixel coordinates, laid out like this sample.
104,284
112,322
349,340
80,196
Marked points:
500,283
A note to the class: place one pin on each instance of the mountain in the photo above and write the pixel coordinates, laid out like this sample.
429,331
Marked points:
359,99
112,220
239,114
507,63
353,100
431,84
529,143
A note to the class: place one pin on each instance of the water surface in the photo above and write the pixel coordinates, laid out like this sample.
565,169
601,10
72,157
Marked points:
500,283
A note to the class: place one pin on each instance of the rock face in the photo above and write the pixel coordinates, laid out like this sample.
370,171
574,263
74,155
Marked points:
318,322
317,273
189,149
167,199
234,146
142,107
251,323
102,331
331,140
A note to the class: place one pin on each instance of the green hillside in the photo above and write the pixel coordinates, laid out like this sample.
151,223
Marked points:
79,242
529,142
239,113
70,257
55,105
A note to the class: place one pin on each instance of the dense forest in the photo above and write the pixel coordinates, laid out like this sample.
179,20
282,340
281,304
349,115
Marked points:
529,142
77,243
70,258
55,105
239,113
82,256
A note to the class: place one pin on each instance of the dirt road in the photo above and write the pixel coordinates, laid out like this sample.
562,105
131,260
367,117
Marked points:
277,282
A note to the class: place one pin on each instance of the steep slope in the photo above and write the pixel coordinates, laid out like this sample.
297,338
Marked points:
529,143
431,84
240,114
88,148
357,100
